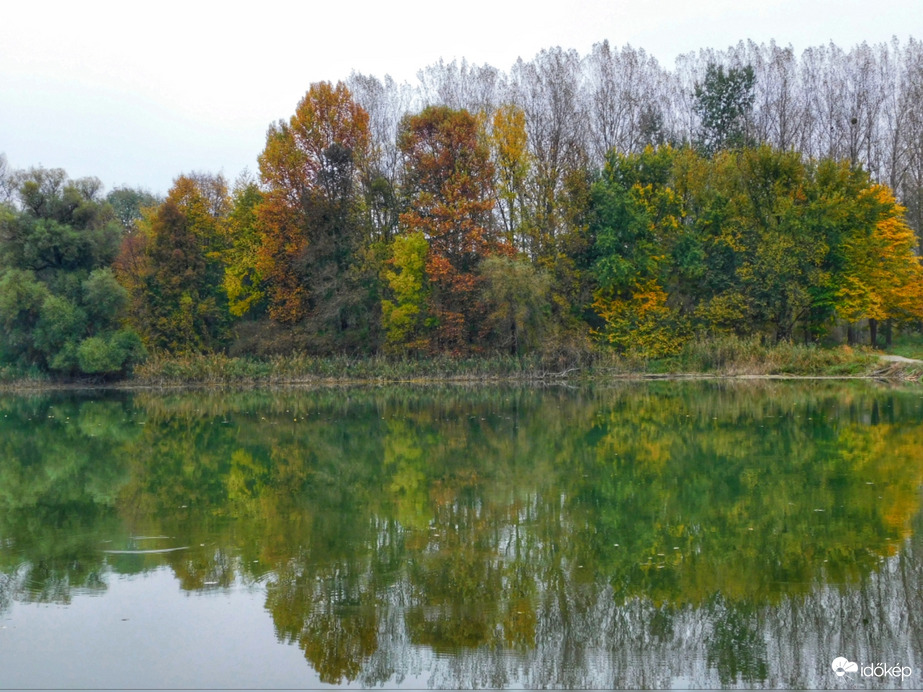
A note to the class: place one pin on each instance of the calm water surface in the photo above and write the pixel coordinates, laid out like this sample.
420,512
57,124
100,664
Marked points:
646,535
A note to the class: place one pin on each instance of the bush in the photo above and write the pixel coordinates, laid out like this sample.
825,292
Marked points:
110,354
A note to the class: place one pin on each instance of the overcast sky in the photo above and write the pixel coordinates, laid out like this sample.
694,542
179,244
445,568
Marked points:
136,94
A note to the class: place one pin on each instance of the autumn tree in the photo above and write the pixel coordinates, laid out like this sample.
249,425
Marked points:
242,281
881,277
448,179
312,235
175,269
510,155
405,319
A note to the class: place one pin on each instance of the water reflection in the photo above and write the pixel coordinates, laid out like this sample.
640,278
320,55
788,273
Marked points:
692,534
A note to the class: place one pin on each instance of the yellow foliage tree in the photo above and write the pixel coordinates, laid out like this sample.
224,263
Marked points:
510,152
641,325
882,277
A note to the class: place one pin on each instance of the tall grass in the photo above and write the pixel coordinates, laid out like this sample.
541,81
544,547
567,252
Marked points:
217,369
11,375
729,355
724,356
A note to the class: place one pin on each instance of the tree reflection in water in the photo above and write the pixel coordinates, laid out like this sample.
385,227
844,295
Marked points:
646,535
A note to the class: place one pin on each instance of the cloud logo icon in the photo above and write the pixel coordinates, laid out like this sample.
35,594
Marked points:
841,666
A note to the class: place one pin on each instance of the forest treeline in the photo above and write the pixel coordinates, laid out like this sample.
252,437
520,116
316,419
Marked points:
574,201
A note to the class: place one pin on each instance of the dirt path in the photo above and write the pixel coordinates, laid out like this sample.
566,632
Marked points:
900,359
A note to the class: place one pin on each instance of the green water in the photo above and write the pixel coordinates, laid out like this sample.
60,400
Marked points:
645,535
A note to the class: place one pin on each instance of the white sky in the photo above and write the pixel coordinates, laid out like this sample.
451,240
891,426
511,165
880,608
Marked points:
138,93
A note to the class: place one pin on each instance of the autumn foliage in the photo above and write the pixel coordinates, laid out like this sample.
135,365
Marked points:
449,181
756,241
570,202
174,270
309,169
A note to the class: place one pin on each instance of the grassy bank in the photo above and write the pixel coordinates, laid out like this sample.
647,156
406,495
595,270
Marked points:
217,369
11,375
725,357
741,357
722,357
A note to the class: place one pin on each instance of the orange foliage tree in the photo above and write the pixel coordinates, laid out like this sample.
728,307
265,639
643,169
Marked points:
449,178
307,218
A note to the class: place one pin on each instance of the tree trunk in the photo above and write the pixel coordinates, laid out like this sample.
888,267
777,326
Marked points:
873,332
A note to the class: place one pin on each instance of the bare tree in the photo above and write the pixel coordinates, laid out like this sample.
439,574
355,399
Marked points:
547,89
778,117
7,183
475,88
621,99
911,137
387,103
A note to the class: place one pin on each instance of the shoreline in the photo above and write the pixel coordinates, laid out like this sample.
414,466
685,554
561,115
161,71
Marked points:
906,371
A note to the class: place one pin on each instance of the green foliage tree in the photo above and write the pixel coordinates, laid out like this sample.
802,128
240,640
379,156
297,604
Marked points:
517,296
62,225
243,282
636,224
753,241
129,204
58,297
783,238
21,300
106,354
723,102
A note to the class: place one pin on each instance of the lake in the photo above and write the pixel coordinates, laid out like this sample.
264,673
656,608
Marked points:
661,534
